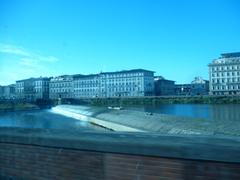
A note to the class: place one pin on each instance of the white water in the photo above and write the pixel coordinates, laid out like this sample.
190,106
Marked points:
84,114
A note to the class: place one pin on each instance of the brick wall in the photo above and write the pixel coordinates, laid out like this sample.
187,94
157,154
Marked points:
27,162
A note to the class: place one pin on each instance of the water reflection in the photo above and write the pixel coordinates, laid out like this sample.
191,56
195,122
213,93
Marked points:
222,119
42,119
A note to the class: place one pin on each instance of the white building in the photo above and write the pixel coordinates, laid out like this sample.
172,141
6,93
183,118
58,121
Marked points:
61,87
224,75
7,92
86,86
33,88
131,83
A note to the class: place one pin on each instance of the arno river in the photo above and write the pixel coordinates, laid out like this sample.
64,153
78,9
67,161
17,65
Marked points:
227,113
213,114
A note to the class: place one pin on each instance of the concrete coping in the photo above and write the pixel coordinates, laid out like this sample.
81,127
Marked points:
194,147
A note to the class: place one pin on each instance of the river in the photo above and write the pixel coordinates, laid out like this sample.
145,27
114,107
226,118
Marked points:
43,119
218,112
223,115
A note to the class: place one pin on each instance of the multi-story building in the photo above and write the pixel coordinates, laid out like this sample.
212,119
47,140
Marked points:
8,92
41,88
25,89
61,87
20,89
200,86
1,92
224,75
136,82
86,86
131,83
32,89
163,87
183,89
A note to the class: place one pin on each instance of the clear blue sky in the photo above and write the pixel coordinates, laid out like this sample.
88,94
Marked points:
175,38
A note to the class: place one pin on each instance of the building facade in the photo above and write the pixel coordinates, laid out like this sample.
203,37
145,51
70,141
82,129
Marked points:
127,83
1,92
163,87
183,89
7,92
200,86
32,89
224,75
25,89
41,88
61,87
131,83
86,86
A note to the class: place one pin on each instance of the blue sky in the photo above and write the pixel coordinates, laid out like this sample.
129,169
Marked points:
175,38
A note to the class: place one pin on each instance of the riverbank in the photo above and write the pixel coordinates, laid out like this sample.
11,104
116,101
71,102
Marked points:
130,101
136,121
6,107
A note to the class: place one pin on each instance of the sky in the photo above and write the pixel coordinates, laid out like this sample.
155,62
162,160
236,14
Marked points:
175,38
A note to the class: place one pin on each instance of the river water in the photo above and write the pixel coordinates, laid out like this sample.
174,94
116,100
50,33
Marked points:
43,119
223,115
219,112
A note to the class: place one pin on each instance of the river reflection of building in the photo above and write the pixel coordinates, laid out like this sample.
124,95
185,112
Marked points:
227,113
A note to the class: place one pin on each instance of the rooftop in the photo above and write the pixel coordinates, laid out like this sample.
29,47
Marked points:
128,71
33,79
230,55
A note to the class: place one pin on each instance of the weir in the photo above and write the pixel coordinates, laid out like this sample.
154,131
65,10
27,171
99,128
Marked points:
135,121
86,114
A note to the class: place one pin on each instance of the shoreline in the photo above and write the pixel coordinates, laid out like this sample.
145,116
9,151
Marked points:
153,100
13,107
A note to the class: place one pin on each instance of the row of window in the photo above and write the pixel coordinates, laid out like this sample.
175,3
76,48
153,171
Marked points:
231,87
223,68
226,74
123,75
53,85
40,83
226,80
59,90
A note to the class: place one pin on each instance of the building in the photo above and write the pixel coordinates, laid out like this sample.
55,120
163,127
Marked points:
25,89
32,89
224,75
183,89
61,87
86,86
163,87
1,92
41,88
200,86
7,92
127,83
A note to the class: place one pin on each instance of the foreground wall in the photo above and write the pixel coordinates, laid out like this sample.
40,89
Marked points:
36,154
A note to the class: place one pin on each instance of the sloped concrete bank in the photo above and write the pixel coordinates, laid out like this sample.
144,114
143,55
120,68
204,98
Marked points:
70,111
135,121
